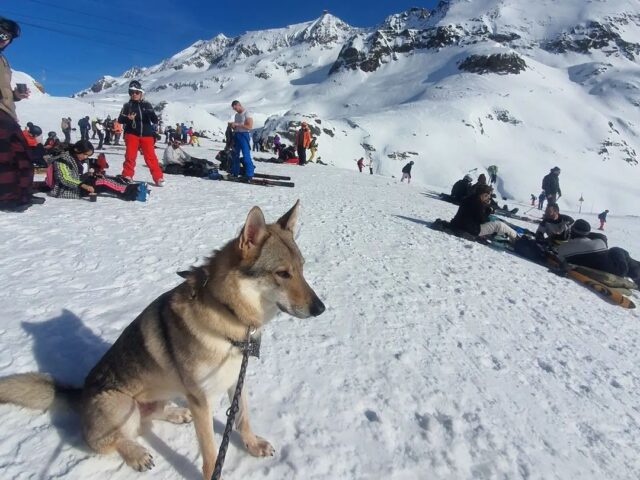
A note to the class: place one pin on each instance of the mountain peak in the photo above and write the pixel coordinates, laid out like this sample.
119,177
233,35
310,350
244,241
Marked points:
413,18
325,29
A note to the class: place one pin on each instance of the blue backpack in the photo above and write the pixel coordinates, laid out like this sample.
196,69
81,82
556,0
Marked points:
143,191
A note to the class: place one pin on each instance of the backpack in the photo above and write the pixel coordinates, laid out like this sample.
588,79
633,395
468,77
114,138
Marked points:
48,179
143,191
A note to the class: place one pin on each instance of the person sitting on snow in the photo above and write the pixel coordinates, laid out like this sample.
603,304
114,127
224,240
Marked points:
52,141
473,216
36,150
178,162
590,249
461,189
554,227
68,181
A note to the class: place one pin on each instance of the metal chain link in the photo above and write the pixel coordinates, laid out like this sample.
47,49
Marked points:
233,409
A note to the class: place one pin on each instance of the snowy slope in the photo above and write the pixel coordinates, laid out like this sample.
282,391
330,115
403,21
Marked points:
436,358
396,92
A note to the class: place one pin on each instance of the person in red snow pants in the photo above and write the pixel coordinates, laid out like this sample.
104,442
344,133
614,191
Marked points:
133,142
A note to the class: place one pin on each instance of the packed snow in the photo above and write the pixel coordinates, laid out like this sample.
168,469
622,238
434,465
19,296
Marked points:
436,357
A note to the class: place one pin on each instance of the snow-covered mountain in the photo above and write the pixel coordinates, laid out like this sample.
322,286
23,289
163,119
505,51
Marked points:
523,85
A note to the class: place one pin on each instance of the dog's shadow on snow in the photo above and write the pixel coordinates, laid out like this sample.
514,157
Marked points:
67,349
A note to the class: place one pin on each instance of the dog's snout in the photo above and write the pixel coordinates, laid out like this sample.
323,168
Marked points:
317,307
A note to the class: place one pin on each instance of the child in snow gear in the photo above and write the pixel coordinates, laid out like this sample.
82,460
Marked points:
16,169
138,118
302,141
603,219
473,216
551,185
406,172
242,125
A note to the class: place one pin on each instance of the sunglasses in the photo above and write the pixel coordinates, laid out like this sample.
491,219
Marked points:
5,37
135,92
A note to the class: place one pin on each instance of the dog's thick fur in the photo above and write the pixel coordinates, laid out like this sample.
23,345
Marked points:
180,346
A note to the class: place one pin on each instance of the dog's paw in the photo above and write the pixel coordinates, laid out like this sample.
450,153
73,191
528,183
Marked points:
258,446
142,461
178,415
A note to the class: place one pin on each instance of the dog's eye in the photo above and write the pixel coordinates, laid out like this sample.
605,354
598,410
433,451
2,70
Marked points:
283,274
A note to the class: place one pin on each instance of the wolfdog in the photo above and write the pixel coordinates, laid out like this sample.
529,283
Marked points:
184,344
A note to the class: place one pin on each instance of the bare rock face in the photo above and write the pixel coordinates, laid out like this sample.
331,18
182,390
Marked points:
102,84
500,63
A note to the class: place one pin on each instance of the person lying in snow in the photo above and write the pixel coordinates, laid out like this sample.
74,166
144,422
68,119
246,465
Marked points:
591,249
473,216
68,181
178,162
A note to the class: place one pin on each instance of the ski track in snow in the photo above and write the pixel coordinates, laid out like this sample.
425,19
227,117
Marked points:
436,358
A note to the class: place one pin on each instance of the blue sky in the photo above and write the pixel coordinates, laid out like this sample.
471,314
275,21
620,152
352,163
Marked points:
83,40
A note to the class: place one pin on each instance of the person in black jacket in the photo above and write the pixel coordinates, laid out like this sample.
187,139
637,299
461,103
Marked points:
590,249
473,216
603,219
138,118
461,189
555,227
406,172
551,185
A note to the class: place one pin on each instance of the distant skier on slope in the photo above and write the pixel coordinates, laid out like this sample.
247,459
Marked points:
493,173
603,219
406,172
360,163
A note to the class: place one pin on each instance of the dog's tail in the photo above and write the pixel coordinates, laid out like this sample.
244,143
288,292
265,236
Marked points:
37,391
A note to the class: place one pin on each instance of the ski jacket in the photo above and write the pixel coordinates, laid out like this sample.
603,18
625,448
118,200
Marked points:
555,230
551,184
276,140
142,123
117,127
83,123
175,156
407,168
7,100
303,138
65,124
492,170
461,189
30,139
603,216
471,214
66,177
577,250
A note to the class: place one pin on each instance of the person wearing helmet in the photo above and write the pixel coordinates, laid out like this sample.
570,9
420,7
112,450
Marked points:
138,117
461,189
406,172
16,169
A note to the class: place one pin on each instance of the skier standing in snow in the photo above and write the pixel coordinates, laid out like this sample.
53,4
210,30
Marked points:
406,172
493,173
313,147
360,163
541,199
533,200
603,219
16,169
85,125
370,166
302,141
65,126
138,118
242,125
551,185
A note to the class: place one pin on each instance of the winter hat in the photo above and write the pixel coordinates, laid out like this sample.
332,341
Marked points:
34,130
468,178
135,86
482,178
580,228
51,134
556,169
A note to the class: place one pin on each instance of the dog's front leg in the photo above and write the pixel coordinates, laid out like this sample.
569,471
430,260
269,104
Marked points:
203,422
256,446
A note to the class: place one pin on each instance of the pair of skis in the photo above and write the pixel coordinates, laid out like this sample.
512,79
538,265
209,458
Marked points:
263,180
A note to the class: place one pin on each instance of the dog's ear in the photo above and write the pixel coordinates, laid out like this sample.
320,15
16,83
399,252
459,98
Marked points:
196,278
254,230
288,220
